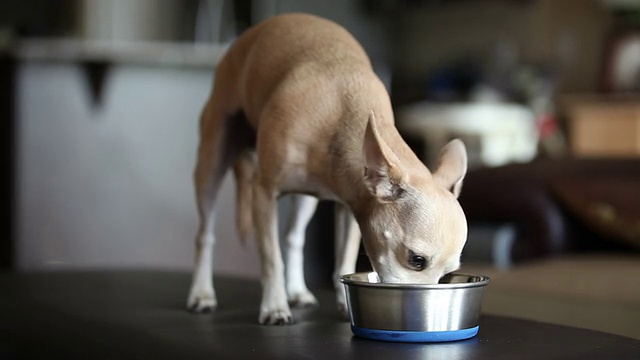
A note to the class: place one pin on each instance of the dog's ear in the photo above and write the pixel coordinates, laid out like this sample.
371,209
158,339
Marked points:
381,173
452,166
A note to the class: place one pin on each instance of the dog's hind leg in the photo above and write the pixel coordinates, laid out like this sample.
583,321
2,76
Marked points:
347,245
214,159
303,208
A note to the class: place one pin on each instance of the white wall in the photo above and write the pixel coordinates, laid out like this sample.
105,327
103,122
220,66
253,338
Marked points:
110,186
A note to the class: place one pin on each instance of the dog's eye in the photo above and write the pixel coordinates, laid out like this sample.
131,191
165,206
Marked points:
416,261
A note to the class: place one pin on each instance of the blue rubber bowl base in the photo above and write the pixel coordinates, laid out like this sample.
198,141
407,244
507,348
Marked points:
414,336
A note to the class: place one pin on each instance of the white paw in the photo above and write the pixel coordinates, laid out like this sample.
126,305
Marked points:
201,302
303,299
343,310
274,309
281,316
341,299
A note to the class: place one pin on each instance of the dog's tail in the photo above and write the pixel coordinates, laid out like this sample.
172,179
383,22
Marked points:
243,171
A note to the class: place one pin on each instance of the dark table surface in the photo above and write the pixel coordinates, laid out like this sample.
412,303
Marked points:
139,314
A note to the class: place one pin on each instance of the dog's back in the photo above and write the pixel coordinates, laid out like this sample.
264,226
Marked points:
285,48
299,80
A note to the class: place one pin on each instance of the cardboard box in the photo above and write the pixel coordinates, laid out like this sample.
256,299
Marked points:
603,126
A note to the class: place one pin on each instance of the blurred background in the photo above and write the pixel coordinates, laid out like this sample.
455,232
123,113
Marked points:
100,100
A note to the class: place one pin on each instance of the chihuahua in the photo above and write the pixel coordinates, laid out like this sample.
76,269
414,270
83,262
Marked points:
296,108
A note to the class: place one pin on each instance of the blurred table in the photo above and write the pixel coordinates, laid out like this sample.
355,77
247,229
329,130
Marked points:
133,315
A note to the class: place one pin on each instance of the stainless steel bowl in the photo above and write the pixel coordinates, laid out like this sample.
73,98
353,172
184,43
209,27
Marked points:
447,311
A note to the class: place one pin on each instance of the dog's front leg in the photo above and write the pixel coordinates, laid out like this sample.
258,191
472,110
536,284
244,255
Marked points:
347,246
274,309
304,206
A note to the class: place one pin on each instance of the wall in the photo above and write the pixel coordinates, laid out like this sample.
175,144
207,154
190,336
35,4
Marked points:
568,35
110,186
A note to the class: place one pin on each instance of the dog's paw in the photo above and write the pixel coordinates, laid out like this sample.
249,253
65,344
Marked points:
276,317
201,303
343,311
303,299
341,302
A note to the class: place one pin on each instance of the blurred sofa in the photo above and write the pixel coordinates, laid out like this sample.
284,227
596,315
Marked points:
559,206
576,251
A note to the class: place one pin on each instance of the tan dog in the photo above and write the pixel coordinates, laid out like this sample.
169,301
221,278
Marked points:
297,108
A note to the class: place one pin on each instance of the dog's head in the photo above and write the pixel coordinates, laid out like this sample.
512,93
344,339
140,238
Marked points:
415,230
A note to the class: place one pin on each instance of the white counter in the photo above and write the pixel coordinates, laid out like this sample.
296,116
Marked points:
143,53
